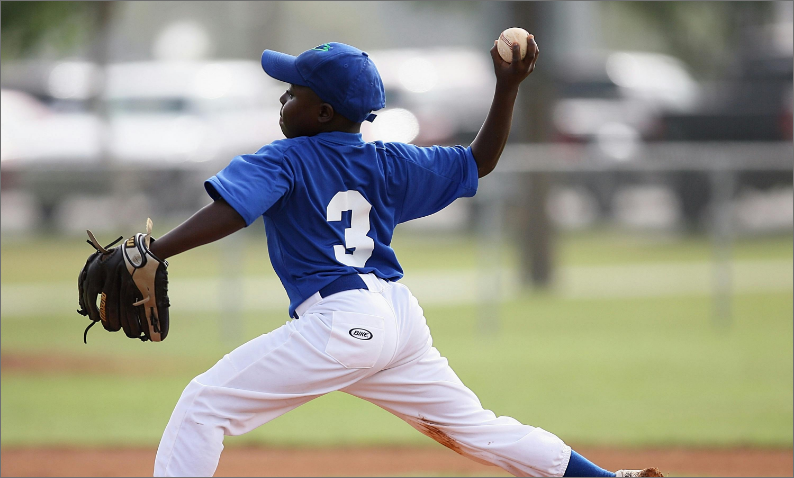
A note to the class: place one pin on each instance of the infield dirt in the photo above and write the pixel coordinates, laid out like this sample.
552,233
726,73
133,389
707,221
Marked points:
383,461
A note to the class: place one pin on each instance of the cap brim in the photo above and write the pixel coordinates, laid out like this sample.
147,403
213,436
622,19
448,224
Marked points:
281,67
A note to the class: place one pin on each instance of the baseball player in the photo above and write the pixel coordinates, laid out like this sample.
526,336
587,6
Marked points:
330,203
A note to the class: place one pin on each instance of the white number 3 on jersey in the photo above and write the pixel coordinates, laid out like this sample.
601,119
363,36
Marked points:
356,235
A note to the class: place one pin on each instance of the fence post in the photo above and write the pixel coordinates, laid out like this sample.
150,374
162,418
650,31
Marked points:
490,229
722,186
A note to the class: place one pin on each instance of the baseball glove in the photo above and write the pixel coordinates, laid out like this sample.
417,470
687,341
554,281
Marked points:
132,285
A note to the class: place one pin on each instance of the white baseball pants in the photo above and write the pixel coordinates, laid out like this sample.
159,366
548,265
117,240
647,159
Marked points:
396,368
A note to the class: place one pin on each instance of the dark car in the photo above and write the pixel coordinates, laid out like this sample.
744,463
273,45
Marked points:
753,102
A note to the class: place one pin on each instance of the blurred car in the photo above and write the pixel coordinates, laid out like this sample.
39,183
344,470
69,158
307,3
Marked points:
433,95
618,94
753,102
64,85
30,131
171,112
160,113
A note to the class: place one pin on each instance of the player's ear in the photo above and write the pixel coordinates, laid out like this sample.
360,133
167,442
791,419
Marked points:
326,113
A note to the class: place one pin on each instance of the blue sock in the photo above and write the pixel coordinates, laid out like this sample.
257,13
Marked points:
581,466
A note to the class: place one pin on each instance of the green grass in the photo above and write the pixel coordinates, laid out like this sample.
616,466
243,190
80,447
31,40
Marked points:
611,247
634,373
629,372
47,259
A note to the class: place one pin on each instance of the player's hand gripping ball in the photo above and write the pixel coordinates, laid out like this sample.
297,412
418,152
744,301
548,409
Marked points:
510,37
132,286
524,53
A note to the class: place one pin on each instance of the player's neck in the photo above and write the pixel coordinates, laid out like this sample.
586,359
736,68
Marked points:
341,124
349,127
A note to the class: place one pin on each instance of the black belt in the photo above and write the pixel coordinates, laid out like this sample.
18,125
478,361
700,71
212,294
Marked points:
343,283
340,284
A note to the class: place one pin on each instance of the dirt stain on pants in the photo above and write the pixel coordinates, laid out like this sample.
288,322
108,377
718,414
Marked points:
432,430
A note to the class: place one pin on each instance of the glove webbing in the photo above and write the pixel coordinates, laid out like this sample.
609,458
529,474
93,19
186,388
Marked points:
104,250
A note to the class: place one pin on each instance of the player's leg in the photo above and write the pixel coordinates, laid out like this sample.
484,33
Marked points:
226,400
422,389
269,376
428,395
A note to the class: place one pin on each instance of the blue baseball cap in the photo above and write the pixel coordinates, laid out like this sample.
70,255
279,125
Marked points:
341,75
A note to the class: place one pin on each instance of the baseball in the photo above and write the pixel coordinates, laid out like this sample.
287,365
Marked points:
510,37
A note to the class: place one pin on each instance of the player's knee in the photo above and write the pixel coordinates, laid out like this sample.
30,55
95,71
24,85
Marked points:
218,373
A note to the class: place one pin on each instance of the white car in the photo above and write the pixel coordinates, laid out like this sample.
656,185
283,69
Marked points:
32,132
156,114
163,113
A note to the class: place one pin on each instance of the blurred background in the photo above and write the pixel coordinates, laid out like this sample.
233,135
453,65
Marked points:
634,242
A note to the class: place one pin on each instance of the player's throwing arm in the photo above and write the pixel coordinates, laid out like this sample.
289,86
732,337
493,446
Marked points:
492,137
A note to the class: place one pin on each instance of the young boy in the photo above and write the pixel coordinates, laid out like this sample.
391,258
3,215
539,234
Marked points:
330,203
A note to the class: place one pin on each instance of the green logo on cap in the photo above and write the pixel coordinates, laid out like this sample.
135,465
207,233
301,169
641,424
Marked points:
323,47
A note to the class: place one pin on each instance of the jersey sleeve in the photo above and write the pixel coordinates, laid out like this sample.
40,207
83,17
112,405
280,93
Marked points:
253,183
430,178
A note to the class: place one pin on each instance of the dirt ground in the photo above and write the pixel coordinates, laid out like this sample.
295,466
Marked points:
383,462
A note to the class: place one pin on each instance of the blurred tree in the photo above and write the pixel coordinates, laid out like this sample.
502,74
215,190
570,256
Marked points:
63,26
445,5
705,35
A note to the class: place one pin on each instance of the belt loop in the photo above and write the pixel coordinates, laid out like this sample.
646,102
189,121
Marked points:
301,309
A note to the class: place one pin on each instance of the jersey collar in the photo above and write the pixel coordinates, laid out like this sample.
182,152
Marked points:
340,137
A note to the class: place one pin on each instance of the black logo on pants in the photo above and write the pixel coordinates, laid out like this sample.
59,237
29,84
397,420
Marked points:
360,334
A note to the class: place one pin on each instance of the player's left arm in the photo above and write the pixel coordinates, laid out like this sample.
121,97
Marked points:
212,222
487,147
132,279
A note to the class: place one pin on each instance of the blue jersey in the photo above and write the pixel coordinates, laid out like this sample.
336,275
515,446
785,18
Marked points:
330,202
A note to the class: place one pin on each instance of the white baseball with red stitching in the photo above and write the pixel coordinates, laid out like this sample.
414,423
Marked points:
510,37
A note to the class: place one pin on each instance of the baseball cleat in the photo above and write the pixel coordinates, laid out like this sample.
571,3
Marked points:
646,472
